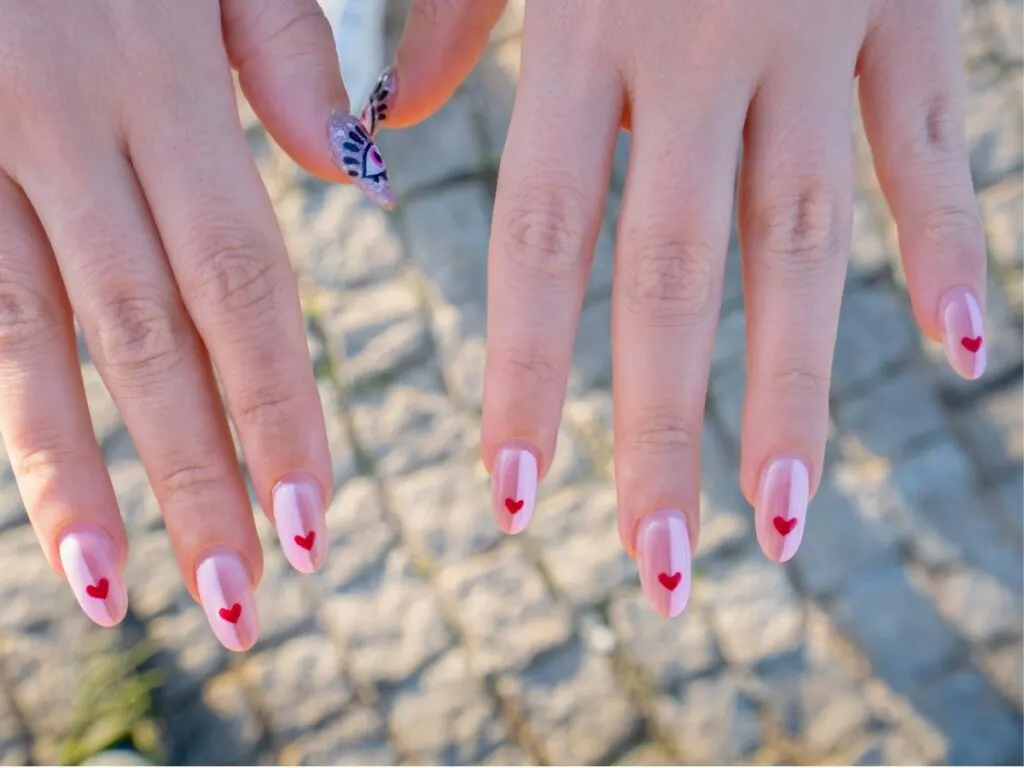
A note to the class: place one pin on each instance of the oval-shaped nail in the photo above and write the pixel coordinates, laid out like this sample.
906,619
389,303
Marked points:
225,592
356,154
663,556
381,101
963,333
88,557
781,512
299,518
514,487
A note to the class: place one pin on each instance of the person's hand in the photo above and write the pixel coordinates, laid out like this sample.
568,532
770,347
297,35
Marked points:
129,200
693,80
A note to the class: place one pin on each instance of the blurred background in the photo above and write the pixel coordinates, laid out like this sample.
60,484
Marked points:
893,637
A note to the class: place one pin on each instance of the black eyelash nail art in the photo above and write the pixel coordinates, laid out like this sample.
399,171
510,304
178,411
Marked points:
381,100
357,155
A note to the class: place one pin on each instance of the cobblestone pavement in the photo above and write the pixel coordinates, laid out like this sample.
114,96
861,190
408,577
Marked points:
894,636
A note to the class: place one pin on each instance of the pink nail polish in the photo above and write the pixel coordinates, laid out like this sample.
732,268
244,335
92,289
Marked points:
356,154
381,101
299,517
226,594
663,555
514,487
88,558
963,330
781,512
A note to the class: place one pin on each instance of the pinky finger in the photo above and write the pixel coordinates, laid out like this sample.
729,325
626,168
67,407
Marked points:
911,95
44,419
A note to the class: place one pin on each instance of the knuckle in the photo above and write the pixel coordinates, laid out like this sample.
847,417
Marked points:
234,275
28,320
797,374
47,455
528,370
940,127
138,332
659,432
546,233
952,223
188,482
800,229
433,11
268,407
671,281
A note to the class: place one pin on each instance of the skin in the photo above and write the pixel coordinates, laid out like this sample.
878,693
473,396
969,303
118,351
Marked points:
128,200
694,81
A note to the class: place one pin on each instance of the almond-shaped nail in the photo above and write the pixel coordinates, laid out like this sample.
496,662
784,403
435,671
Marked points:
299,517
357,155
963,333
514,487
382,99
225,592
663,555
781,512
90,564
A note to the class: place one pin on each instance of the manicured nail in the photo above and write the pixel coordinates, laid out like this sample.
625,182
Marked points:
663,555
357,155
963,330
90,564
514,487
382,99
226,594
782,508
299,517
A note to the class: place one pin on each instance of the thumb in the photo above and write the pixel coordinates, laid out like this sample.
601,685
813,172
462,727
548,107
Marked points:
288,69
442,42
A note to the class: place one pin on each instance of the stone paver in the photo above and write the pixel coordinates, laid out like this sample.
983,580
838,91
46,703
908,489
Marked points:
894,636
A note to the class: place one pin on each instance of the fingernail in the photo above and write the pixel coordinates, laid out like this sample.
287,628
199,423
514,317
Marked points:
663,555
299,517
514,487
357,155
226,594
963,331
382,99
782,508
90,564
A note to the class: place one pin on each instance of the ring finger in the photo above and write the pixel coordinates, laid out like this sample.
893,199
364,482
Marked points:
670,255
795,211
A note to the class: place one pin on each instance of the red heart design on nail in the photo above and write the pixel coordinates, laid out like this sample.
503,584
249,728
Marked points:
306,542
971,345
231,616
513,505
784,526
670,582
98,590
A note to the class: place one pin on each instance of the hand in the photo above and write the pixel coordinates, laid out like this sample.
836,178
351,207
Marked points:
129,199
693,81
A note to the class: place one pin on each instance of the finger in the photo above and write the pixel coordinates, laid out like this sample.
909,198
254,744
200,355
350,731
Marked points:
442,42
670,255
912,100
795,210
288,69
550,196
44,419
229,259
155,368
